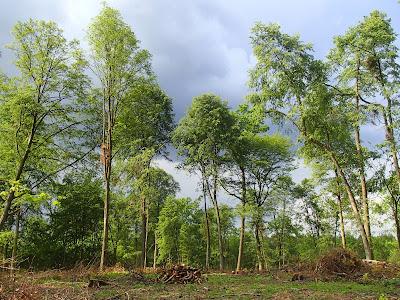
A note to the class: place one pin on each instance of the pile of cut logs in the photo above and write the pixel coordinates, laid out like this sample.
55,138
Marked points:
180,274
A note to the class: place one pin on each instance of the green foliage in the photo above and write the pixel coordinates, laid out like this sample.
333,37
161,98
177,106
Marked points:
203,133
70,232
48,118
178,230
394,257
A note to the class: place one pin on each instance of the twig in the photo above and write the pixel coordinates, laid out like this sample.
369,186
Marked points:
242,294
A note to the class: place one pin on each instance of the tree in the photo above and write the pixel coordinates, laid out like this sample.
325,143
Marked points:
120,65
143,131
75,216
42,112
311,212
290,85
162,185
150,186
366,57
253,164
175,217
201,137
281,227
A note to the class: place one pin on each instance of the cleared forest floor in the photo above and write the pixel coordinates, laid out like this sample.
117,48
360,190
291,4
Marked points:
118,284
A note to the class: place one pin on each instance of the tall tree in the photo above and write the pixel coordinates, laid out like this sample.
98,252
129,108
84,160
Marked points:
290,85
253,164
366,57
201,137
41,111
120,64
143,131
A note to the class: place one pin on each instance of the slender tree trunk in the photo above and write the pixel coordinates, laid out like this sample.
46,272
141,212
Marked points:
366,244
396,220
258,246
241,242
207,227
220,247
387,117
11,195
360,155
339,202
360,223
242,222
282,235
16,236
155,249
108,123
264,257
105,222
143,235
146,240
5,250
213,197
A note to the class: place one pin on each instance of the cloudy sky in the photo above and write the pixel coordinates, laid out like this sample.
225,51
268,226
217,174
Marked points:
201,46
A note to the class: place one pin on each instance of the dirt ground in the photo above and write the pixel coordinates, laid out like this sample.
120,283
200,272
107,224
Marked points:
337,275
218,286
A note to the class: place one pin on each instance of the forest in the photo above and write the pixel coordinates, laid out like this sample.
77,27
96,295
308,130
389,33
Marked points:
80,131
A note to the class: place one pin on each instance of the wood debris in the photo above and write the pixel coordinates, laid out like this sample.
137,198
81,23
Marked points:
181,274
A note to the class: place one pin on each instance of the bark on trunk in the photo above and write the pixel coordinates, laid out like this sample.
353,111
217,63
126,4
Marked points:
143,237
15,244
339,202
146,237
105,223
240,255
213,197
242,222
155,250
207,227
360,155
11,195
220,247
366,244
258,246
396,220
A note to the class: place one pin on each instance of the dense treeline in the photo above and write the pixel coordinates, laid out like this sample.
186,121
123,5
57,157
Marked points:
63,203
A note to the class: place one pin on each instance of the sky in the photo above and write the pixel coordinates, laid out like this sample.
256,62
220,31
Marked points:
201,46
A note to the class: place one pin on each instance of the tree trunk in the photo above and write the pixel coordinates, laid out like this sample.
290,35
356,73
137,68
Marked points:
390,138
258,247
143,236
339,202
213,197
146,236
396,220
282,236
220,247
155,250
107,152
15,244
242,222
207,227
105,219
360,155
264,257
11,195
240,255
366,244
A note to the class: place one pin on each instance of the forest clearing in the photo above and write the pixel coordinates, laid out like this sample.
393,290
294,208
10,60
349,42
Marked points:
294,193
357,280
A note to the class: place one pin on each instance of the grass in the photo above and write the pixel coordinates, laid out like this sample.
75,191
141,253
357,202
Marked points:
125,285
